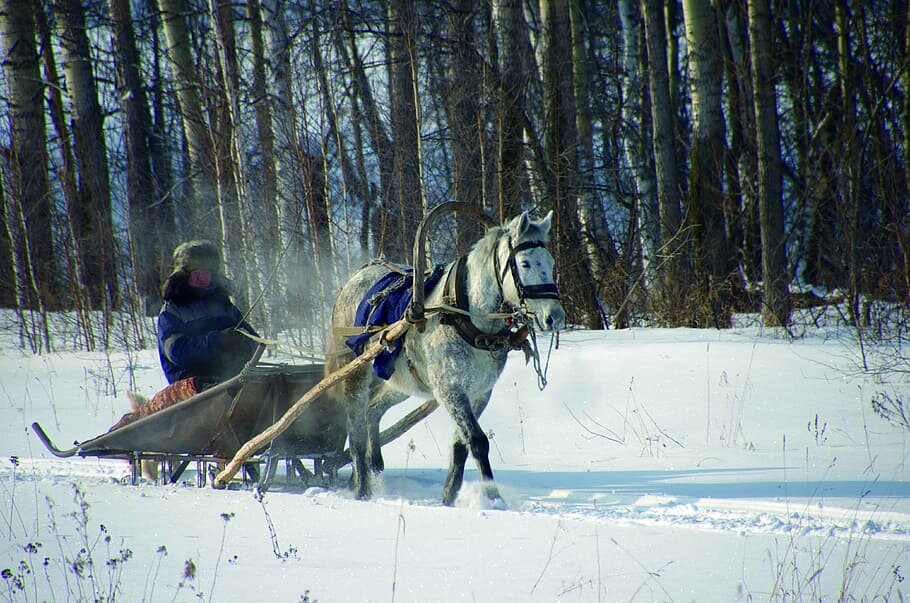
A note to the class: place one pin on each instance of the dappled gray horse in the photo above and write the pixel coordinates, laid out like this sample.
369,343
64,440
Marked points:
504,283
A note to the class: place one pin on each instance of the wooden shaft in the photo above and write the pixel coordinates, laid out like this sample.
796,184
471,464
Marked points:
394,331
408,421
416,310
392,433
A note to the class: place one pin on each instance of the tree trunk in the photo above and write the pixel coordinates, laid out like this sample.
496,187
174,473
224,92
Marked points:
144,228
706,162
823,258
905,119
29,191
203,169
264,136
7,258
576,280
670,289
313,163
92,224
462,91
598,243
74,254
776,304
640,258
742,205
351,186
168,192
240,249
514,192
851,156
298,261
902,231
365,190
402,53
380,222
637,133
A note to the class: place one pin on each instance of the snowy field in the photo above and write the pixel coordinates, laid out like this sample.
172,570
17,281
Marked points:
657,465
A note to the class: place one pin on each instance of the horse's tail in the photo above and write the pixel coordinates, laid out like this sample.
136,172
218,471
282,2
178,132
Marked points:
337,355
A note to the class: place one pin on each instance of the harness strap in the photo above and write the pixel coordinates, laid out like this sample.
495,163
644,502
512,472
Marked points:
456,288
351,331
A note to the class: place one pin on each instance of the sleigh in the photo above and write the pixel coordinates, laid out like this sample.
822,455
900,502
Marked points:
210,427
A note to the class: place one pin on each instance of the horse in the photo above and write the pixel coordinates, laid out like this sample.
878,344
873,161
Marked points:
503,287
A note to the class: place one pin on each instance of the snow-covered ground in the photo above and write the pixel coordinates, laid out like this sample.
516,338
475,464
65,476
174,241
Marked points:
657,465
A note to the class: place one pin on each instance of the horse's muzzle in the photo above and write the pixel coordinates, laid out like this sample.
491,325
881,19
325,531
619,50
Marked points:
551,319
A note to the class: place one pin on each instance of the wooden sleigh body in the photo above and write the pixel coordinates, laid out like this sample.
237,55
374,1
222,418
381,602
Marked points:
209,428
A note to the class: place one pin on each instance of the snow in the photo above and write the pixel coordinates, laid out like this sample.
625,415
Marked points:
657,465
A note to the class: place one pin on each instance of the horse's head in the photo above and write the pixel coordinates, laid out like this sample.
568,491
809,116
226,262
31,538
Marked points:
525,270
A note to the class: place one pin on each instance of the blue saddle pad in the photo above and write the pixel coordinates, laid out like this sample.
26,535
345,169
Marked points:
384,304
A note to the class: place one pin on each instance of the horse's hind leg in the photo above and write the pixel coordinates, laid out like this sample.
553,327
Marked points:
356,396
381,400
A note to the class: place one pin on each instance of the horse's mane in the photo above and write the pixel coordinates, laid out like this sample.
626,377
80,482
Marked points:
487,243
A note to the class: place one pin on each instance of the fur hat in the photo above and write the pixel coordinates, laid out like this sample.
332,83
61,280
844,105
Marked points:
197,255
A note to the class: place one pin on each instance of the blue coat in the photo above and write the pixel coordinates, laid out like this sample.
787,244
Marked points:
190,340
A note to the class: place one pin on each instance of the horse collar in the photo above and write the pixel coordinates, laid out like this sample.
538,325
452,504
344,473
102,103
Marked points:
456,288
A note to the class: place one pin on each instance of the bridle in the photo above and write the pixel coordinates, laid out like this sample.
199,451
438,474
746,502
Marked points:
513,336
525,292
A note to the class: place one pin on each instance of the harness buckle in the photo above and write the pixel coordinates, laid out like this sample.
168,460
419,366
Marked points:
493,343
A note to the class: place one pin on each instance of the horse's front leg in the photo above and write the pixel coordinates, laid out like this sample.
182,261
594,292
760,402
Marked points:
469,437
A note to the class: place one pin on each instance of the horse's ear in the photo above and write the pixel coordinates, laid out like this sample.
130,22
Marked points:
547,222
520,224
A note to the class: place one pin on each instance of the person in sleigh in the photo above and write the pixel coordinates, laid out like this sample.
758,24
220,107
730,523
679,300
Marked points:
203,338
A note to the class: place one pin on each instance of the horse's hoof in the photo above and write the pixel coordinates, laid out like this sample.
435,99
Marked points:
478,495
494,498
362,491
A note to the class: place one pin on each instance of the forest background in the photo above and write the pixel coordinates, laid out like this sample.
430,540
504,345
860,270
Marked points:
701,157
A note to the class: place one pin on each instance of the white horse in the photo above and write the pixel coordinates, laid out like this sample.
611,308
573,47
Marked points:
505,282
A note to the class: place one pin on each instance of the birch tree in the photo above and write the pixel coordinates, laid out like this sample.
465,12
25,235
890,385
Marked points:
29,193
366,115
776,302
72,250
408,205
514,190
706,163
204,189
7,259
92,220
670,286
598,243
463,91
146,221
562,164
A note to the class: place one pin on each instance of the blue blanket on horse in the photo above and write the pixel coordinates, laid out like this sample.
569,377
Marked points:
384,304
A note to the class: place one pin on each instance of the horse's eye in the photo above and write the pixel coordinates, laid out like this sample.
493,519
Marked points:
526,264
